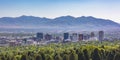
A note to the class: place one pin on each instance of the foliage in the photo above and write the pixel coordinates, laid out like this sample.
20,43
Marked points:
92,50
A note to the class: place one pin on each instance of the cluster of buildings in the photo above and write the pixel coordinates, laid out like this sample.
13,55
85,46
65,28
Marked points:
70,37
46,38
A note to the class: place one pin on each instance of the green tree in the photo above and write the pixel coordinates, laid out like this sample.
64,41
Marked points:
86,55
117,56
66,57
73,56
24,57
110,56
80,56
3,57
48,57
43,56
58,57
38,57
95,54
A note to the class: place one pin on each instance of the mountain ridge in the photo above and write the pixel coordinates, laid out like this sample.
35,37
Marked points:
62,23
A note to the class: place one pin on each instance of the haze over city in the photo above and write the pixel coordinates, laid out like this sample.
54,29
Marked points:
107,9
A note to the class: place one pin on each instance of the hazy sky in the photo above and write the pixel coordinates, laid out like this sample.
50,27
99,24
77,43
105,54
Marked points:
108,9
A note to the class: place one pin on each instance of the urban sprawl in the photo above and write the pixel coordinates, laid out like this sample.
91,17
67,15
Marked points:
41,38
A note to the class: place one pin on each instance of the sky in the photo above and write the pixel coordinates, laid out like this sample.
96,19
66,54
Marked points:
106,9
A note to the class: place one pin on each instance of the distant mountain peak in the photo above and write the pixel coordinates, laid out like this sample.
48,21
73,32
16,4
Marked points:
63,22
25,16
87,16
65,17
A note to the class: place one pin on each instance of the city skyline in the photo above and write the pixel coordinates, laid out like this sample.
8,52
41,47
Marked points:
107,9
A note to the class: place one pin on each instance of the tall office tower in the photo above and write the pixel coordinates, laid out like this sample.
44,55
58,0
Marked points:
71,37
92,35
39,36
86,37
80,37
48,37
75,37
57,38
66,36
101,35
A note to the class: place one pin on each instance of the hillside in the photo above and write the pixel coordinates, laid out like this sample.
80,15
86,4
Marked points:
65,23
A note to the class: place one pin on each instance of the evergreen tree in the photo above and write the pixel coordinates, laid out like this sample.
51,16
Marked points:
103,55
73,56
117,56
66,57
38,57
43,56
110,56
86,55
80,56
58,57
95,54
3,57
24,57
48,57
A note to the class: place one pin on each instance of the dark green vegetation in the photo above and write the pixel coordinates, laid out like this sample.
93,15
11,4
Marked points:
67,51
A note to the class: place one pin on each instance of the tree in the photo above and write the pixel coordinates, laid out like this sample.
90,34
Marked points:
58,57
95,54
24,57
86,55
103,54
73,56
14,58
3,57
80,56
110,56
43,56
66,57
48,57
117,56
38,57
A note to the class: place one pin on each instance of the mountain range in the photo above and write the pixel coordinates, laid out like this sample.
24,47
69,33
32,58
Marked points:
63,23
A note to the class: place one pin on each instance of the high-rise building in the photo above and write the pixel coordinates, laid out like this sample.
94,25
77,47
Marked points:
92,35
57,38
80,37
39,36
71,37
66,36
74,37
48,37
86,37
101,35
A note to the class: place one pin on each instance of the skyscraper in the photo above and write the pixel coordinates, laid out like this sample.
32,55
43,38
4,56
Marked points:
39,36
71,37
101,35
86,37
80,37
75,37
66,36
92,35
48,37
